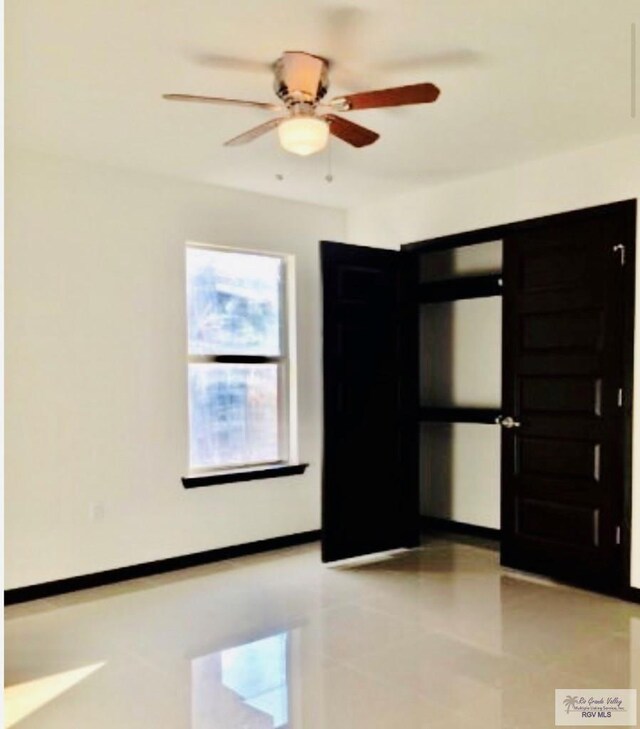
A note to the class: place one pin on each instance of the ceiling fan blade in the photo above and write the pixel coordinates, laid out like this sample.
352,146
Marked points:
254,133
452,58
346,29
398,96
353,134
231,63
220,100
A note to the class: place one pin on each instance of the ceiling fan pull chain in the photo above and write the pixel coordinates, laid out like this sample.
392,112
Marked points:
329,176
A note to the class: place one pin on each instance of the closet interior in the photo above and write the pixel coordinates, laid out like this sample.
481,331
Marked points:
460,355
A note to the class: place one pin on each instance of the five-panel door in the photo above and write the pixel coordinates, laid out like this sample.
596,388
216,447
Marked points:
562,440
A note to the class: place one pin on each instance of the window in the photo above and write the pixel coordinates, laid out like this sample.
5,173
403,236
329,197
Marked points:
238,358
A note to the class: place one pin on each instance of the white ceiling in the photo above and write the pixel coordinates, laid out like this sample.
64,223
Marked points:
520,79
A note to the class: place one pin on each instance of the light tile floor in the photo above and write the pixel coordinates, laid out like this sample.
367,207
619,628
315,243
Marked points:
437,637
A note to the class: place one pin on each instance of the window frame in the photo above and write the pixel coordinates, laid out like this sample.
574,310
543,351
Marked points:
286,400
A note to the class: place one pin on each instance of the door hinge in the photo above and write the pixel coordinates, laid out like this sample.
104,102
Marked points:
623,252
620,397
618,535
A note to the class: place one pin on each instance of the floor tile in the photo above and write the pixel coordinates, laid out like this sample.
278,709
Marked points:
438,637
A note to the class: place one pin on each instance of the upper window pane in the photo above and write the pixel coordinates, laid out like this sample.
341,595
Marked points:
233,302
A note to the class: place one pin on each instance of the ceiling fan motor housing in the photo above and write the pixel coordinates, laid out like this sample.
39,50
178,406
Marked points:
301,78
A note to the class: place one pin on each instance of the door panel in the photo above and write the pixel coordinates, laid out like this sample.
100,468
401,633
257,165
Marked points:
577,395
556,458
562,477
573,330
367,504
547,521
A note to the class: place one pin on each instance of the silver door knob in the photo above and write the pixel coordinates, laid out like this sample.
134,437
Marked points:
509,422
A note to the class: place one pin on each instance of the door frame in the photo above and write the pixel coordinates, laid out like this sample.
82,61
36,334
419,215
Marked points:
626,211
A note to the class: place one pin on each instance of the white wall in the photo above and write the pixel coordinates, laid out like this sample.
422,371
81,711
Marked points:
452,456
592,176
96,409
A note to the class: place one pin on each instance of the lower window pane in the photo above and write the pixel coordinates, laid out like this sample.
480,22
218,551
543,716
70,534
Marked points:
233,414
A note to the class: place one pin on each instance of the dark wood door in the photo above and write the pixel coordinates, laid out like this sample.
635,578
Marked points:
564,390
367,503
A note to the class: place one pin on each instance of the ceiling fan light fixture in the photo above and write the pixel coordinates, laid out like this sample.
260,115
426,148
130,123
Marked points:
303,135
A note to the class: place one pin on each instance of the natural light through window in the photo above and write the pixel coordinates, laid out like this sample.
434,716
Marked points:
238,358
23,699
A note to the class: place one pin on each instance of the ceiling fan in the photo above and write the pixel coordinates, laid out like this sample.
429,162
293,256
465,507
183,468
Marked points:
305,121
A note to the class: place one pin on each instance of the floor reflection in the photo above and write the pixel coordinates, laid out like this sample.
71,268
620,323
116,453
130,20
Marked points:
436,638
247,683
